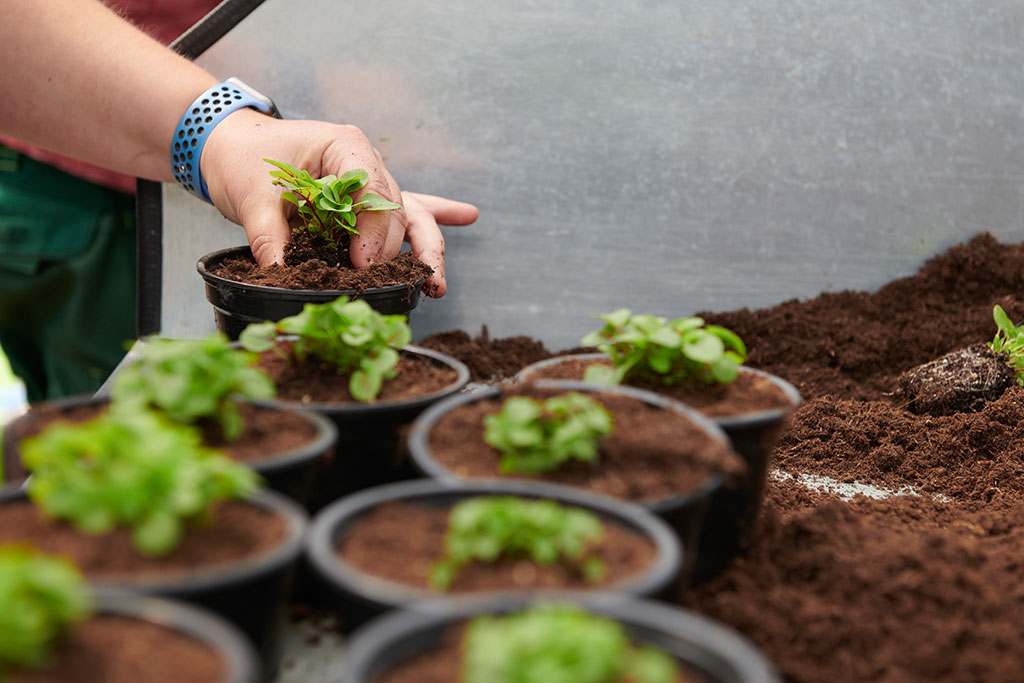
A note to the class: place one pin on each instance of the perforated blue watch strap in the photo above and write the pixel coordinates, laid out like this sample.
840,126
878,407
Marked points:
201,117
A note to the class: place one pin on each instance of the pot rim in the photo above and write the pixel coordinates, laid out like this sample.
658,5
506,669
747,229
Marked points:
202,267
210,579
751,420
709,642
236,652
356,409
419,433
325,533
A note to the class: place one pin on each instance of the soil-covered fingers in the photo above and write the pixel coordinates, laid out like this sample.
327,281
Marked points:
380,232
423,213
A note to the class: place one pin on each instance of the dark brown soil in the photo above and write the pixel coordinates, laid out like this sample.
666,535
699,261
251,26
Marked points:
267,432
650,455
317,274
749,393
401,542
488,359
923,588
443,665
115,649
313,381
962,381
236,532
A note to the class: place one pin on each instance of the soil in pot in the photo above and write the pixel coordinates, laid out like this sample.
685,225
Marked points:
314,266
488,358
649,455
121,649
400,542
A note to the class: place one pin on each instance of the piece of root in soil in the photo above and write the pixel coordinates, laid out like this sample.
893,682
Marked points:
961,381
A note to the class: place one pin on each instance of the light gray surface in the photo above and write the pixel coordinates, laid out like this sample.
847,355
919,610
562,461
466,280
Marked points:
663,155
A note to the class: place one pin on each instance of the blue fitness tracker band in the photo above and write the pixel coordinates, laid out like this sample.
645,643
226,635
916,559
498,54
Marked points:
201,117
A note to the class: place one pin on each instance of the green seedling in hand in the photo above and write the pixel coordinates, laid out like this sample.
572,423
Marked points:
558,644
536,437
325,205
348,334
487,528
40,598
673,352
1009,339
137,470
190,379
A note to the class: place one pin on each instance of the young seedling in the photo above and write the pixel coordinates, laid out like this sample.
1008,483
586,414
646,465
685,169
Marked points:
325,205
40,598
558,644
191,379
137,470
487,528
350,335
651,348
536,437
1009,339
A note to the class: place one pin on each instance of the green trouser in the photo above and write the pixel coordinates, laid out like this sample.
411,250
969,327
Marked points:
67,277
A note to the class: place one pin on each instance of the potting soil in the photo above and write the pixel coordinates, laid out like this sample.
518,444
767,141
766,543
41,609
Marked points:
926,586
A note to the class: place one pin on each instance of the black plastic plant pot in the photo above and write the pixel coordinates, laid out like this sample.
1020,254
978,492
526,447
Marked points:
237,304
734,510
371,449
251,594
291,472
685,513
236,653
709,649
358,595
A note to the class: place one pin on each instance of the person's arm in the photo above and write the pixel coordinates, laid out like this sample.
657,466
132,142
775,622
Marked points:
81,81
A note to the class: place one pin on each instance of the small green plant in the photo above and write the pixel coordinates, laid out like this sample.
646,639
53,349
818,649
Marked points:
348,334
674,352
190,379
1009,339
40,598
536,437
325,205
137,470
558,644
487,528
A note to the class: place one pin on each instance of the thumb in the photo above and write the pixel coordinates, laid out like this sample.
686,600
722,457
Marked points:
268,232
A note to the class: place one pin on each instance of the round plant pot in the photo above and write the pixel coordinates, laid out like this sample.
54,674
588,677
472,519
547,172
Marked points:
290,472
710,650
237,657
684,512
237,304
734,510
252,593
371,448
358,594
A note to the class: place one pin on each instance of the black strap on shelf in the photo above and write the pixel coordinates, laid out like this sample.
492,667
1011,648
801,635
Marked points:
148,197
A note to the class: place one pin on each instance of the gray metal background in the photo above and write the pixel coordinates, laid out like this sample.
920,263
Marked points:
666,156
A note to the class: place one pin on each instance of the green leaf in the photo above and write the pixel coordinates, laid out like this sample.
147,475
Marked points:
374,202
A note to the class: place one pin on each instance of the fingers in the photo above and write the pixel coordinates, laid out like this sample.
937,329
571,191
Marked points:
423,213
268,232
380,232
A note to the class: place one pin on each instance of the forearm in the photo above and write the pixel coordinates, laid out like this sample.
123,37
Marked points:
81,81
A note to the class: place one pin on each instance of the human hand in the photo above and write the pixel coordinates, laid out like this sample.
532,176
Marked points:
239,185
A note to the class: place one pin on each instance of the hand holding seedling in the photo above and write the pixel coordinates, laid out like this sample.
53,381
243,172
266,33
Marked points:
189,379
558,644
536,437
1009,339
40,598
237,180
673,352
136,470
487,528
348,334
